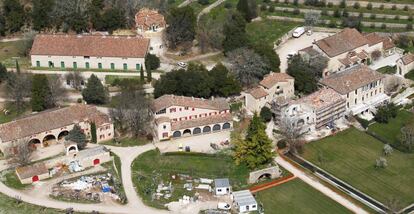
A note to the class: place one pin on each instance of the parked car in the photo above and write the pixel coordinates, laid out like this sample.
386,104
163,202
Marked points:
299,31
223,206
182,64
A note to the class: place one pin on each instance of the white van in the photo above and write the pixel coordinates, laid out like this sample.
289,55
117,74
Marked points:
298,32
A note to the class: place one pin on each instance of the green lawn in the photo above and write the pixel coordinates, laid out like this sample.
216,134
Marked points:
391,131
268,31
410,75
351,155
150,168
10,206
387,70
10,179
8,53
297,197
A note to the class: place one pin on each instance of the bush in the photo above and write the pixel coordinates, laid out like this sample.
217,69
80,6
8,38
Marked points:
337,13
263,7
342,4
204,2
406,8
228,5
383,26
281,144
364,123
372,25
397,17
394,7
369,6
79,100
296,11
266,114
295,2
381,7
409,26
373,16
357,5
410,18
271,9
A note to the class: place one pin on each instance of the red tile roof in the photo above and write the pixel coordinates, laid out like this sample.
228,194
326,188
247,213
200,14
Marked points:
49,120
31,170
408,58
374,38
344,41
89,45
166,101
145,18
257,92
273,78
203,121
321,99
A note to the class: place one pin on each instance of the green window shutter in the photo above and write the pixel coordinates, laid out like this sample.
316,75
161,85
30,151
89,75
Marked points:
37,63
112,66
87,65
62,64
125,66
100,65
138,67
75,65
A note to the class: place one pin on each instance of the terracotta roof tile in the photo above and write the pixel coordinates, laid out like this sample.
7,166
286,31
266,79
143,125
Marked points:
388,44
321,99
273,78
89,45
344,41
166,101
257,92
374,38
145,18
50,119
351,79
408,58
31,170
203,121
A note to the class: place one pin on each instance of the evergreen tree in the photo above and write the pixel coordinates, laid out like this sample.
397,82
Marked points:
149,75
152,62
248,8
141,74
41,93
41,14
13,13
3,73
256,149
76,135
95,9
234,33
95,92
93,132
269,55
182,24
224,83
113,19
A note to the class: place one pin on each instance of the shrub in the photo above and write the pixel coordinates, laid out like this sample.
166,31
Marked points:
204,2
409,26
79,100
369,6
345,13
410,18
263,7
296,11
266,114
342,4
397,17
337,13
357,5
272,8
381,7
228,5
406,8
394,7
295,2
383,26
373,16
330,4
364,123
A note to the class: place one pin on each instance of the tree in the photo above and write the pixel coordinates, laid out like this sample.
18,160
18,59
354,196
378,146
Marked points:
209,34
26,44
375,55
93,133
352,22
256,150
58,93
234,32
387,149
41,93
248,8
3,73
149,75
224,83
2,25
13,13
312,18
152,62
385,113
23,152
18,88
74,79
76,135
181,26
407,136
131,114
291,134
269,55
247,66
381,162
95,9
113,19
266,114
95,92
141,74
41,14
70,15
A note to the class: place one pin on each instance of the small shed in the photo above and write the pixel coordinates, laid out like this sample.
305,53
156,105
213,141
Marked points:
32,173
244,201
222,186
93,156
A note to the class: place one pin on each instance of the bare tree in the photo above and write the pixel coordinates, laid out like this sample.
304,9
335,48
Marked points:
75,79
22,152
132,114
18,88
55,85
392,83
376,55
291,134
312,18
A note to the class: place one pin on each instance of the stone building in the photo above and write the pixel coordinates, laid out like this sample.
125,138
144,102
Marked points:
147,20
177,116
405,64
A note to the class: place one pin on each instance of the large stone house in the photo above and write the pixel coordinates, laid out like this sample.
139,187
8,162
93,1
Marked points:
147,20
177,116
405,64
360,86
63,51
51,126
349,48
272,86
314,111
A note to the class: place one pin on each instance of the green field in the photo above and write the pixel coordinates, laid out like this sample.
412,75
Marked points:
410,75
10,206
8,53
297,197
387,70
150,168
351,156
268,31
391,131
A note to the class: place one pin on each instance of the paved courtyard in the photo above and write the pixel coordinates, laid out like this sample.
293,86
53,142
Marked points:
295,44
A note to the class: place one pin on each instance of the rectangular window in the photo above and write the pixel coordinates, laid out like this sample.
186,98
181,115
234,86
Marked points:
62,64
37,63
87,65
75,65
112,66
100,65
138,67
186,108
125,66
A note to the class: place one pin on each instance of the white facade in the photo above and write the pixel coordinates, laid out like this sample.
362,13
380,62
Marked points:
244,201
87,62
402,68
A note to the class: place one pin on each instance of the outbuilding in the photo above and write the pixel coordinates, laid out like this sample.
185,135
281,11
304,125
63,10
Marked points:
222,186
244,201
32,173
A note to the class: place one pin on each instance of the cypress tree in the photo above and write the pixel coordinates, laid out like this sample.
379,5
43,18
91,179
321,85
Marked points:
141,74
93,132
149,75
248,8
95,92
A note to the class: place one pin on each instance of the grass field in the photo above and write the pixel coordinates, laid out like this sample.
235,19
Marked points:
410,75
10,179
297,197
8,53
391,131
351,155
150,168
268,31
387,70
10,206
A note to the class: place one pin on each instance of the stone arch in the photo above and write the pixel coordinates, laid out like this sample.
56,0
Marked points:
206,129
48,139
187,132
34,143
271,173
196,131
265,176
226,125
216,127
177,134
63,134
